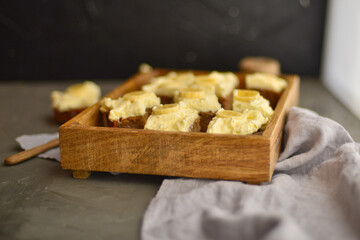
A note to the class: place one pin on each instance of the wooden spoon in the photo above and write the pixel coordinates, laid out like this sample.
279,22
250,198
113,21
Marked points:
22,156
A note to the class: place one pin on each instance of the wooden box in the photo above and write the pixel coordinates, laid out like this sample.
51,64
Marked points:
85,145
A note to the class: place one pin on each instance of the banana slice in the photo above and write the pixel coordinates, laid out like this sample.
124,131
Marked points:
170,84
191,93
228,114
165,109
252,115
205,79
245,95
208,88
132,96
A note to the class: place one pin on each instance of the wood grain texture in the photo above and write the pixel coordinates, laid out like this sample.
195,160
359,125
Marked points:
87,146
81,174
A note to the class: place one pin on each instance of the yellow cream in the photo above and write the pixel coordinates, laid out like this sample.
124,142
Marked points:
198,99
209,88
130,105
231,122
168,84
107,104
77,96
172,117
265,81
221,83
225,82
251,100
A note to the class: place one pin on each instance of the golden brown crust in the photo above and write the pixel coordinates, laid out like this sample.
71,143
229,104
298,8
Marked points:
166,99
137,122
272,96
205,118
63,117
226,102
195,127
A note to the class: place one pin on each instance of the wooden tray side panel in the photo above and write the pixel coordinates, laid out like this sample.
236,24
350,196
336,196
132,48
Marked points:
289,98
171,154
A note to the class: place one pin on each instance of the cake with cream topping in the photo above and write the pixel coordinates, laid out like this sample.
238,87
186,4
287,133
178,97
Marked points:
67,104
223,82
232,122
269,85
130,111
166,86
173,117
206,103
251,100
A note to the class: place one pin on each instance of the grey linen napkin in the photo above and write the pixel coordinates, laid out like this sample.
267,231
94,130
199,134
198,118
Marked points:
314,193
34,140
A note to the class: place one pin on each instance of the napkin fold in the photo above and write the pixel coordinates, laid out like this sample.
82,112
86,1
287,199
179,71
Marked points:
34,140
314,193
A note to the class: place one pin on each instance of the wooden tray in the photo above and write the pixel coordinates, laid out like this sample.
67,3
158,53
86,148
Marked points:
85,145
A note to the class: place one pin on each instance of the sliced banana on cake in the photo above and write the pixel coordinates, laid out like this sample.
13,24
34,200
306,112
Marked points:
246,95
191,93
166,109
132,96
228,114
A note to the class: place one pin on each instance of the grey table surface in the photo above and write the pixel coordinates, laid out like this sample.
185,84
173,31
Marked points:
39,200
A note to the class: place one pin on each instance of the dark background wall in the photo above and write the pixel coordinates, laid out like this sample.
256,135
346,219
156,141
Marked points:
87,39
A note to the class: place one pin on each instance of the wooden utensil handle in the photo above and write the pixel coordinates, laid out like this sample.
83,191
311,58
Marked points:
21,156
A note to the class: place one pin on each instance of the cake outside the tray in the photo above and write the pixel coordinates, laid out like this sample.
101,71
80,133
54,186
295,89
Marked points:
67,104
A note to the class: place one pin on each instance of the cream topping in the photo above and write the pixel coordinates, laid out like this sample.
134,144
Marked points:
265,81
130,105
172,117
207,87
168,84
231,122
225,83
198,99
77,96
251,100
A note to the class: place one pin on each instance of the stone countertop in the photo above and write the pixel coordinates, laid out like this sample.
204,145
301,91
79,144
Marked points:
39,200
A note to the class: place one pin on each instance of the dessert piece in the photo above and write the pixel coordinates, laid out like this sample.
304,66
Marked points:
166,86
270,86
251,100
145,68
173,117
130,111
231,122
224,83
206,103
74,99
260,64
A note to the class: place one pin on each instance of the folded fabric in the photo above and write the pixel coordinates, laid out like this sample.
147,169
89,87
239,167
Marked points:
34,140
314,193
